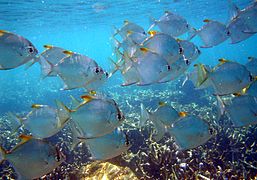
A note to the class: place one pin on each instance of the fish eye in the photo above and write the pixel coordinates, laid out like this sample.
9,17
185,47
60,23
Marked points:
228,33
168,67
251,77
180,50
97,70
211,131
106,74
187,62
30,49
119,116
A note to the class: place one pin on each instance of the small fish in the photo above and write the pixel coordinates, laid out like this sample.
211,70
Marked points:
243,111
15,50
162,118
190,132
251,65
171,24
226,78
243,25
43,121
150,66
96,116
77,70
33,158
108,146
130,28
164,45
53,55
212,33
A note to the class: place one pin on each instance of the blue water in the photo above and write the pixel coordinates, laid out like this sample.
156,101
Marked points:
86,27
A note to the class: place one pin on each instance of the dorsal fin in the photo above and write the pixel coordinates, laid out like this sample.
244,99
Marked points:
161,103
182,114
47,46
69,53
37,106
87,98
25,138
233,10
152,32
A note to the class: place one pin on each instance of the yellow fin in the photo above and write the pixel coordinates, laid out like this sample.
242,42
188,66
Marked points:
47,46
87,98
152,32
237,94
2,32
144,49
222,60
179,40
68,52
182,114
207,20
129,32
24,138
162,103
37,106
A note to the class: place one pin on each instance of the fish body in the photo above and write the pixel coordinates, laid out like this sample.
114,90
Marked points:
243,111
108,146
34,158
97,117
164,45
190,132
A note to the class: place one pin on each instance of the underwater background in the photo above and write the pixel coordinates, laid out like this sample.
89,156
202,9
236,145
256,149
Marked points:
86,27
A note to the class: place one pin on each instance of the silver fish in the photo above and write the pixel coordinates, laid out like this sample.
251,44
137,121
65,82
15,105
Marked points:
150,66
96,116
77,70
43,121
226,78
243,25
212,33
190,132
164,45
243,111
15,50
108,146
171,24
33,158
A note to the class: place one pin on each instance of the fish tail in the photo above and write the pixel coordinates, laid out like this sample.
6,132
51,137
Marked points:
76,133
221,107
15,122
191,33
153,23
116,67
3,153
50,70
202,75
145,115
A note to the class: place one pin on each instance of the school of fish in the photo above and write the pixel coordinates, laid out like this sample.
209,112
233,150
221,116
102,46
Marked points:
143,58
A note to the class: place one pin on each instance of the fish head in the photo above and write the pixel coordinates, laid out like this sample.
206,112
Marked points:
27,49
